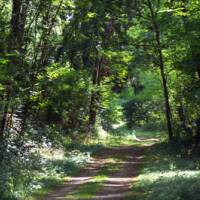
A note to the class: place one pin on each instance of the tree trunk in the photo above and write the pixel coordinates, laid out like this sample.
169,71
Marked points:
93,109
19,14
4,120
184,122
95,95
166,95
162,72
197,131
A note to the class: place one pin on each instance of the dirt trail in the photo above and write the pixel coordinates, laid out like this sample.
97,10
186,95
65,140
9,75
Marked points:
117,185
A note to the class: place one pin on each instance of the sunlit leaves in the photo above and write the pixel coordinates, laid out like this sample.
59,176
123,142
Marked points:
2,88
91,15
137,32
3,61
56,71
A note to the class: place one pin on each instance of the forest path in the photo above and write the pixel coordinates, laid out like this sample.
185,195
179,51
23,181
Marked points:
108,176
117,186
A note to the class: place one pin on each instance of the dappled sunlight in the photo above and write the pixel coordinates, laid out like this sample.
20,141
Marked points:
169,173
151,177
119,125
52,153
167,185
102,133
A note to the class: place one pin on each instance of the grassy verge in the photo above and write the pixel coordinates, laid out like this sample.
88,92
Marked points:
169,173
53,172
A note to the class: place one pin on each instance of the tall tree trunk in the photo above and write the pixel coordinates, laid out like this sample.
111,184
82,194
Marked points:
197,131
162,71
95,95
93,109
18,20
3,142
198,72
4,120
166,95
183,119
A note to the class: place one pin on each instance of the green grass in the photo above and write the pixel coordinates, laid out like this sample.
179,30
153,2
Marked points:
123,136
114,141
150,134
88,190
169,173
